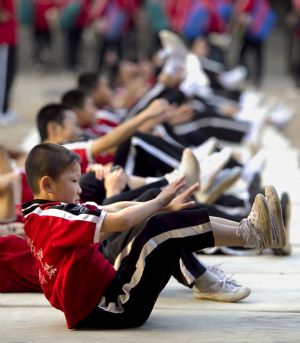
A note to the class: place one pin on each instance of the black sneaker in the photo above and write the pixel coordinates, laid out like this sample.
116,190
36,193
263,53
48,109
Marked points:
286,214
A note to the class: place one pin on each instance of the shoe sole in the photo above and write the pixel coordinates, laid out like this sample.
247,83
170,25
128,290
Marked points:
241,251
217,170
277,225
219,189
190,168
222,297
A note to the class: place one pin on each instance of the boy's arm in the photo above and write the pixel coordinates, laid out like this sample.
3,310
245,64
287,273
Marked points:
128,217
118,206
128,128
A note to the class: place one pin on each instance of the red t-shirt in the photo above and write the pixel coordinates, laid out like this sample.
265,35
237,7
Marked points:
105,122
83,149
18,270
177,11
26,191
8,29
40,10
245,6
64,240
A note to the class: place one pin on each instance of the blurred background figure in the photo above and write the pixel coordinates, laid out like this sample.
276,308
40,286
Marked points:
8,42
258,20
293,20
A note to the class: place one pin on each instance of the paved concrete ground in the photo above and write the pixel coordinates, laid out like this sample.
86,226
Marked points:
270,314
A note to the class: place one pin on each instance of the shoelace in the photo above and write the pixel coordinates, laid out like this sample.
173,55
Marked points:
247,231
224,279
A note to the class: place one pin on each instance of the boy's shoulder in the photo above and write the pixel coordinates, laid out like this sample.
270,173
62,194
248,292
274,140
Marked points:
39,206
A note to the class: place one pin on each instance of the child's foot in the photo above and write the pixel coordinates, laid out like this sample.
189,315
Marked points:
189,168
277,226
255,230
286,215
205,148
221,288
225,179
212,165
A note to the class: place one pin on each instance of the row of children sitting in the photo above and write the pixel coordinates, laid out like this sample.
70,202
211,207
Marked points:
157,190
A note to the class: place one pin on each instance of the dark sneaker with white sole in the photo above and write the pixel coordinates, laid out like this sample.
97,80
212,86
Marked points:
277,225
286,215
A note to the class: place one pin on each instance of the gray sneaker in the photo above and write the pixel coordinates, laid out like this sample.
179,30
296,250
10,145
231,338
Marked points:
286,215
255,230
277,226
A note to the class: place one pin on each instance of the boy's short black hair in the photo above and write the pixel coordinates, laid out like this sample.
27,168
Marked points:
48,113
47,159
74,98
88,81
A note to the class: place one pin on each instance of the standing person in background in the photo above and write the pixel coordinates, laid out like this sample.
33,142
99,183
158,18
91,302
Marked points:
293,20
8,42
114,20
75,16
259,19
41,33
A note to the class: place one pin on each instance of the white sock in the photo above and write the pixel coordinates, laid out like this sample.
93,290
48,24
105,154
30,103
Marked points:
206,280
150,179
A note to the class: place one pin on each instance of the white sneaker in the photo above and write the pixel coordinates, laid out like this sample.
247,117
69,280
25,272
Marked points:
225,289
255,165
196,82
231,79
205,148
172,43
212,165
189,168
281,115
224,180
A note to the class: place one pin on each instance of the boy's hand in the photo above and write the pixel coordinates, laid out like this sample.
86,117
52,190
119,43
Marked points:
115,182
183,114
99,170
157,108
170,192
181,201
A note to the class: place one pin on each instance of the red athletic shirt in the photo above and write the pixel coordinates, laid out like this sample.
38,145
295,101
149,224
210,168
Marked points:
8,29
18,270
64,240
105,122
83,149
40,10
245,6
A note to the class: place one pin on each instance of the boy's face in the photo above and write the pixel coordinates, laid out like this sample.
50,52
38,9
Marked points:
87,114
66,188
69,131
102,95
